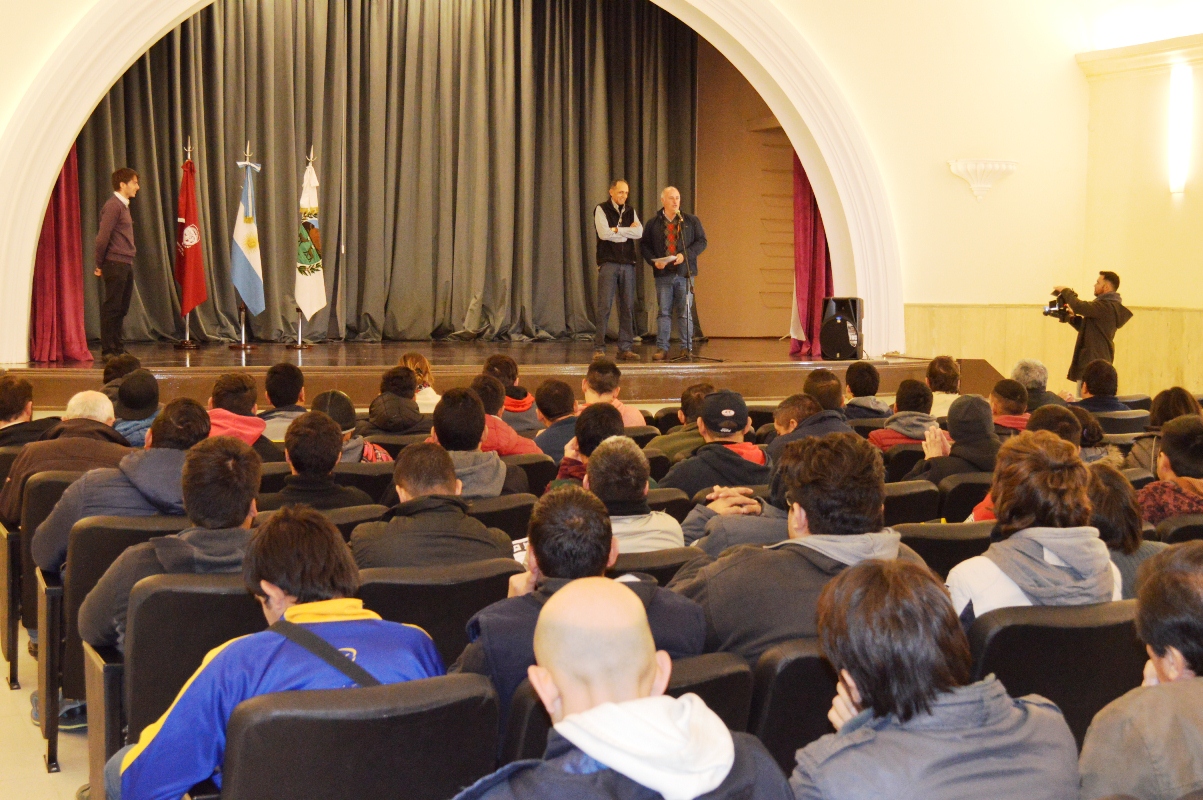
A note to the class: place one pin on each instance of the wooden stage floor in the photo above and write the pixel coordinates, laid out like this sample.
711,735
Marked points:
760,369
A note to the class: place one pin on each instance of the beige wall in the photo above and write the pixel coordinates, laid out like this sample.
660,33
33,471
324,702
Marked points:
745,201
33,29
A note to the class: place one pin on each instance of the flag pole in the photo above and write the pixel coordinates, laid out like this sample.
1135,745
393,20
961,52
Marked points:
188,343
300,344
241,343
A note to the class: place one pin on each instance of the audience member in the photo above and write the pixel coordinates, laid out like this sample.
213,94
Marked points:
801,415
1100,382
356,449
459,426
499,436
594,425
944,380
861,384
1146,744
431,525
556,407
519,409
1033,376
1046,553
618,474
911,419
220,481
1116,514
756,597
136,406
908,721
974,443
1179,488
394,410
145,483
569,538
426,397
17,425
312,447
83,440
1168,404
1009,404
233,412
615,733
115,370
1094,447
602,385
285,387
726,459
684,439
299,569
824,386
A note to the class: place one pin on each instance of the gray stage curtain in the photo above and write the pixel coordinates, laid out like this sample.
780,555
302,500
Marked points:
461,148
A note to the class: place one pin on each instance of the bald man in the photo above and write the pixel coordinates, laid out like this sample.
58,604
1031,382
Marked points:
615,732
671,244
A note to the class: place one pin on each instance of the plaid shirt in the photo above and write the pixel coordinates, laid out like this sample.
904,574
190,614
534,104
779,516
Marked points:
672,235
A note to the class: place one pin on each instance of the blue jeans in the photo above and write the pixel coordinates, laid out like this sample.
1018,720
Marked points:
112,774
672,296
615,280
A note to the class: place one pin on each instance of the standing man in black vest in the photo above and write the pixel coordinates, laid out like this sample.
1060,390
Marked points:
673,243
618,227
115,253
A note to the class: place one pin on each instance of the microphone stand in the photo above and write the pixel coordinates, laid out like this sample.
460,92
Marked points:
687,324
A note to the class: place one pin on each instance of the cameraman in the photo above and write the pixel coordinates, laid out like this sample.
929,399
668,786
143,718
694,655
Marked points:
1096,322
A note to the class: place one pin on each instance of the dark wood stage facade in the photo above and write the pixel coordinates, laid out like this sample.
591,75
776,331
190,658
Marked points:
760,369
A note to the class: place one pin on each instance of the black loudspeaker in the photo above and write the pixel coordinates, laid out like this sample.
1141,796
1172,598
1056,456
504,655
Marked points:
840,336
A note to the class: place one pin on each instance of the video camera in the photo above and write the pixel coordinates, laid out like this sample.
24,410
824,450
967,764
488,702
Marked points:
1059,308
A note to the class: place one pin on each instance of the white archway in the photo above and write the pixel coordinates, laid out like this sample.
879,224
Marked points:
752,34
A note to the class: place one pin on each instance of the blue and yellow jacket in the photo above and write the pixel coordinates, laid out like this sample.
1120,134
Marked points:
186,745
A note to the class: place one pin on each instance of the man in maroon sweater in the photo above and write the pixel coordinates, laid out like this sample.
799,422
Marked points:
115,253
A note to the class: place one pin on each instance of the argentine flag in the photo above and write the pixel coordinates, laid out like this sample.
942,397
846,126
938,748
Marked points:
246,265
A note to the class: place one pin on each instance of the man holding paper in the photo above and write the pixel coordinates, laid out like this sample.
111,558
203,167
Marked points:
671,243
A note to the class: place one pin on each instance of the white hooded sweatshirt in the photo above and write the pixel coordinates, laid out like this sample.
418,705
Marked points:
675,746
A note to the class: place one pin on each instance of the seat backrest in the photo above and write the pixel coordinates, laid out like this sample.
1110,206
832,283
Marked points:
394,443
943,546
766,433
42,491
900,459
666,418
1184,528
760,415
272,475
345,519
94,544
911,501
1122,421
722,680
509,512
865,426
1125,441
658,463
540,469
642,434
1139,478
7,456
660,564
440,600
173,622
960,493
375,478
673,502
793,689
421,740
1079,657
1136,402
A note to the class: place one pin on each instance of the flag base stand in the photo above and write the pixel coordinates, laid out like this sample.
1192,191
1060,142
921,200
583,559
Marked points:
242,345
187,343
300,343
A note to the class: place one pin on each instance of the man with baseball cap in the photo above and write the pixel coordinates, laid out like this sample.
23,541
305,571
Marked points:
725,459
136,406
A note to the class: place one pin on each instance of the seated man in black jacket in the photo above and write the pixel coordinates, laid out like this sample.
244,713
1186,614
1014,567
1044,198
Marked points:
17,425
395,410
974,442
1100,382
312,447
570,538
221,479
431,525
726,459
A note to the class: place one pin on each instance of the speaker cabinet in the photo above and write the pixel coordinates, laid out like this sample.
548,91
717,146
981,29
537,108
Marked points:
840,335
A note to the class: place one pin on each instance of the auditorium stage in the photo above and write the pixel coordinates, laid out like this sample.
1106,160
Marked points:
760,369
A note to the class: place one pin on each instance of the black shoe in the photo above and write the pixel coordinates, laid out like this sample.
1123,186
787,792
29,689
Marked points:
32,647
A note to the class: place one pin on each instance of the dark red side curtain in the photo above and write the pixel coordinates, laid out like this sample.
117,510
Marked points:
56,321
812,265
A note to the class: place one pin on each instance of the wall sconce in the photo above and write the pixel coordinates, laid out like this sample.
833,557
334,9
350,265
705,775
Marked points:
1181,123
982,174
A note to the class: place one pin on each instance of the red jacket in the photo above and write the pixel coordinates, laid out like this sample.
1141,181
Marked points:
885,438
227,423
501,438
1017,422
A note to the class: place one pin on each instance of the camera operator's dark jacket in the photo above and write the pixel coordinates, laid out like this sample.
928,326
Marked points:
1096,322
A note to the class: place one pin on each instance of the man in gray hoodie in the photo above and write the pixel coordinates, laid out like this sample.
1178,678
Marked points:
459,426
220,482
146,482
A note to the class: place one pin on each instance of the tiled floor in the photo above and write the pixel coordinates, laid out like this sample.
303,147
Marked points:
23,773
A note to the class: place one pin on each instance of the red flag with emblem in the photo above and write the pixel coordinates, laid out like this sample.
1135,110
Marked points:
189,265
